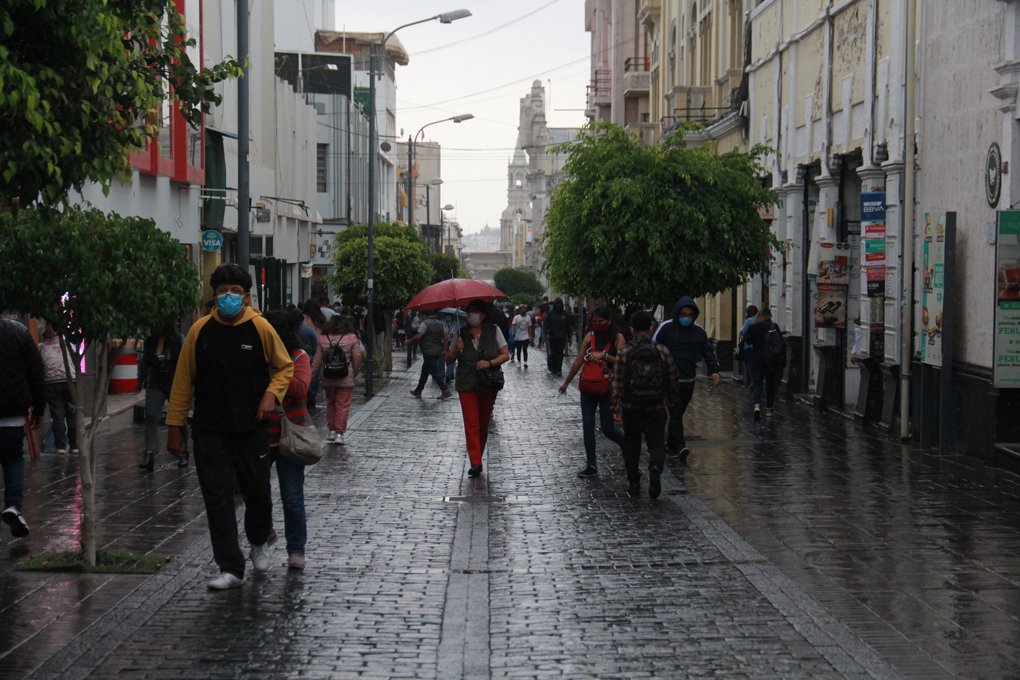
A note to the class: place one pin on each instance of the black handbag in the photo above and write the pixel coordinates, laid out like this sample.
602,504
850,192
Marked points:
490,379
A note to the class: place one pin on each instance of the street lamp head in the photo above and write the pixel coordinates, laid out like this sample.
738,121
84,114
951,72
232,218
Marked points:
435,181
450,17
449,207
462,117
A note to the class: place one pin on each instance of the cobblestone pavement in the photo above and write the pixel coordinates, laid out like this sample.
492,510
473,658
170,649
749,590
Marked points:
801,547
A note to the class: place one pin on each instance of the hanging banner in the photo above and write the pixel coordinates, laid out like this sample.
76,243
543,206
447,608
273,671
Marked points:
934,288
1006,368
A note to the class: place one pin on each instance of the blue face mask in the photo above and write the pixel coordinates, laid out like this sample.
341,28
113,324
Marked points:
229,304
686,321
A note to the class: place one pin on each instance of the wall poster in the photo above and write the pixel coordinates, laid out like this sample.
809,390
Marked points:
1006,367
934,288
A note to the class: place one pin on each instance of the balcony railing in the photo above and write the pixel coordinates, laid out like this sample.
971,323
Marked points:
635,64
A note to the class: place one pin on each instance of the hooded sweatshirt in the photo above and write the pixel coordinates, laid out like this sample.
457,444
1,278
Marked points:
686,343
230,364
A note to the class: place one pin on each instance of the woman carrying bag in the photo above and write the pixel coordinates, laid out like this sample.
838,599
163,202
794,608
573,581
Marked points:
479,351
295,408
595,361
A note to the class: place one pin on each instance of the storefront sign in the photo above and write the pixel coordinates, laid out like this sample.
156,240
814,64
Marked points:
1006,368
873,242
934,288
876,280
830,307
212,240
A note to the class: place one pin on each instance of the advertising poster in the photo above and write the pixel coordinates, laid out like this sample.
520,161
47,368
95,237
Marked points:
830,308
1007,300
876,280
834,265
873,241
933,289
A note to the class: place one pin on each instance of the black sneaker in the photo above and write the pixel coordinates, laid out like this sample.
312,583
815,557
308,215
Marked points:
475,471
684,453
634,489
654,483
588,471
16,521
672,451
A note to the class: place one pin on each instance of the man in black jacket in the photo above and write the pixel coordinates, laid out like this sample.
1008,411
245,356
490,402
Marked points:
22,386
557,325
687,342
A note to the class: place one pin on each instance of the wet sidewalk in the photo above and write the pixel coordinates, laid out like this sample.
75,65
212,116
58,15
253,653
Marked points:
802,546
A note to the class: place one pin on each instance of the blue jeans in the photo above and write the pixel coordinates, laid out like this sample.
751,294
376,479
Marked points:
12,459
760,375
434,365
606,423
292,497
61,405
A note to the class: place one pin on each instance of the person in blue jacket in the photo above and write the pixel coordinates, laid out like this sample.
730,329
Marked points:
687,342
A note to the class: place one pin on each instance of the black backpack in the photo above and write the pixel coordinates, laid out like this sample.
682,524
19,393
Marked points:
334,364
644,380
774,355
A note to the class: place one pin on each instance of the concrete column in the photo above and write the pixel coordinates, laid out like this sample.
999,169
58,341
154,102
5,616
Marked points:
893,253
788,270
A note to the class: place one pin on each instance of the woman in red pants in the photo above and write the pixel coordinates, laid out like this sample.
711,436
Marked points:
480,347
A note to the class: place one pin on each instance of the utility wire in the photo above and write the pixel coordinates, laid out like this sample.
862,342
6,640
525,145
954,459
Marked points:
488,32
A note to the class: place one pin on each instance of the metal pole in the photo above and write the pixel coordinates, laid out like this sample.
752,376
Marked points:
410,181
372,149
243,181
907,303
428,208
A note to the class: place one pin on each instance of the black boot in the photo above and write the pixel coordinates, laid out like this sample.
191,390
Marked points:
148,461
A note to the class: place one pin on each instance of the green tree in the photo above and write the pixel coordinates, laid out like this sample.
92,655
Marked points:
93,277
80,81
401,268
517,282
633,223
445,266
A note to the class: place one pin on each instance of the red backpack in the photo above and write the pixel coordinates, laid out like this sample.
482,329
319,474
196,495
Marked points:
594,373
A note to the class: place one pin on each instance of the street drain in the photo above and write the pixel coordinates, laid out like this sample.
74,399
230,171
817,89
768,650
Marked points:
474,499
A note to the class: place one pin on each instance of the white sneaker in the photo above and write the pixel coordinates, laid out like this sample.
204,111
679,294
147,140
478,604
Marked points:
331,437
259,558
224,581
16,521
340,439
60,451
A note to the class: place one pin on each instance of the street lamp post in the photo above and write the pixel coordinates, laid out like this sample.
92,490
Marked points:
373,143
411,141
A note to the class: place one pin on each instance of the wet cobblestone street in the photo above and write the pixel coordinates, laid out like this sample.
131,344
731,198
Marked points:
800,547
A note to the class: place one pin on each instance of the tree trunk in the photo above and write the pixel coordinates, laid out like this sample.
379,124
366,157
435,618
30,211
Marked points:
86,446
389,346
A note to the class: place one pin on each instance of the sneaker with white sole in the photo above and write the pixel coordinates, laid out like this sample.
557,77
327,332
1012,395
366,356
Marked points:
296,561
225,581
13,518
259,558
340,439
330,437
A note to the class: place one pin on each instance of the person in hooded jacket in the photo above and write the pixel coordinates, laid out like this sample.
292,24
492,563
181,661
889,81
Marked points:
687,342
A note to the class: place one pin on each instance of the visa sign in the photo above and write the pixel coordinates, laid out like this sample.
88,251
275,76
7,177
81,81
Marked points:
212,240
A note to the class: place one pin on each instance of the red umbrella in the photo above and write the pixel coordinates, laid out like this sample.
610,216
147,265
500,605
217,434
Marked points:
454,293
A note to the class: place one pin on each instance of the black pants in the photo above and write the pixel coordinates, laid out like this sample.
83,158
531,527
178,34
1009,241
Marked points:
676,416
652,424
219,458
522,346
58,398
556,347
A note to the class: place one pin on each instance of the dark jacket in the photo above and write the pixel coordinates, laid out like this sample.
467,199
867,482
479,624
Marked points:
466,376
755,337
557,323
21,372
686,344
159,375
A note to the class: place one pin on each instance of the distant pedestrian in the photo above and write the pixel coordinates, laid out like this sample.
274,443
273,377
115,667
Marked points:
557,325
644,385
433,341
452,324
743,346
308,337
339,334
58,392
480,347
291,475
22,402
327,311
411,323
687,342
521,329
768,359
239,371
595,360
156,368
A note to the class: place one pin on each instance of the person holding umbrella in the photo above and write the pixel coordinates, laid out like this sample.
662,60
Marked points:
480,348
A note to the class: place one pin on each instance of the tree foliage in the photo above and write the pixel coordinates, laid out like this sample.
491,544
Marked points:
445,266
93,277
646,224
80,82
518,282
122,276
402,266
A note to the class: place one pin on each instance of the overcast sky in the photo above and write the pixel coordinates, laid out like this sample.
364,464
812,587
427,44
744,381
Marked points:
482,64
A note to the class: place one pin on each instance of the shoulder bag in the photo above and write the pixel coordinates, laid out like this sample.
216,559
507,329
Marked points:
299,443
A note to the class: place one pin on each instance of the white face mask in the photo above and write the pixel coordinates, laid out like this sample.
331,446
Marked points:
474,318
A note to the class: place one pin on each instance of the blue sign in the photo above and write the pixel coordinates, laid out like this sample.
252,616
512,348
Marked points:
212,240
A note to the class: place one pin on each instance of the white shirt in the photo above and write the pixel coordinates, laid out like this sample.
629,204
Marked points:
522,324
